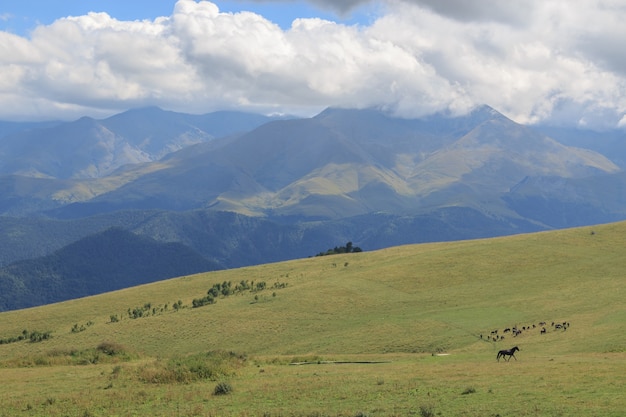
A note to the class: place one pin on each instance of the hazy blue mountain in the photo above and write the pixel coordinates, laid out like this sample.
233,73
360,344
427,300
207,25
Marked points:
568,202
494,157
90,148
345,163
107,261
8,128
610,143
240,189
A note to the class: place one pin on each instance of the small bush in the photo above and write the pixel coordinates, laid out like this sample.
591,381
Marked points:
468,390
223,388
208,366
111,348
199,302
38,336
426,411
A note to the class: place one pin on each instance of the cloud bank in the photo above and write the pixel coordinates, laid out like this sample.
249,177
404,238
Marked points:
533,60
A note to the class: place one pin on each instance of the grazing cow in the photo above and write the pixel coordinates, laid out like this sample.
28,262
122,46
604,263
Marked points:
507,352
543,330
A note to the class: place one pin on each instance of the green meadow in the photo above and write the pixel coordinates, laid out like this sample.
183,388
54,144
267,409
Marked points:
402,331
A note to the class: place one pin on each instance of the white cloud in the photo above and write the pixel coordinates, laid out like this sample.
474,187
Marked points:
532,60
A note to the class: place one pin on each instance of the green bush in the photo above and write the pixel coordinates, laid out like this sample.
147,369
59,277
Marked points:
111,348
223,388
199,302
38,336
186,369
426,411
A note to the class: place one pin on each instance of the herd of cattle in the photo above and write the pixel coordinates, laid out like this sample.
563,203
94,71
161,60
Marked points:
497,335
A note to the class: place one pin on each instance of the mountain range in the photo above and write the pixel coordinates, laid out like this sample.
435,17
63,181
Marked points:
240,189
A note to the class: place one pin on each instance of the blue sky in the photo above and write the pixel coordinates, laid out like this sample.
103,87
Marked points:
21,16
534,61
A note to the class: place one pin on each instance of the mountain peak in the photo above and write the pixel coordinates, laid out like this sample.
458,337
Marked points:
331,112
140,112
478,114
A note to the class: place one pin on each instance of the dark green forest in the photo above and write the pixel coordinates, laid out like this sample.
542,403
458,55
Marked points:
348,248
103,262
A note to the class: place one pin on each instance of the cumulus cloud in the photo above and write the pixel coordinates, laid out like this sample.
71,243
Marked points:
532,60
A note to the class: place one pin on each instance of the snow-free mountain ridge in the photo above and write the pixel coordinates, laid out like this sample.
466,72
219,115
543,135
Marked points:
239,189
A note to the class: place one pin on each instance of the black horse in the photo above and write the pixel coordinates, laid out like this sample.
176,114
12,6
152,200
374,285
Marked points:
507,352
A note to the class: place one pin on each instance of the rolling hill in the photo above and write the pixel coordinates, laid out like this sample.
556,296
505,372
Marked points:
404,330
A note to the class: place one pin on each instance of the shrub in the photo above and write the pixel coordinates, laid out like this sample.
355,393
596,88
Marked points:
426,411
37,336
111,348
223,388
199,302
468,390
209,366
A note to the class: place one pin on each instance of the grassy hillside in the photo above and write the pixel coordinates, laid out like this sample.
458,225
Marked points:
421,316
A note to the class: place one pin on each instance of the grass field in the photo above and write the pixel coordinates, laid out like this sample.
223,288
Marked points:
401,331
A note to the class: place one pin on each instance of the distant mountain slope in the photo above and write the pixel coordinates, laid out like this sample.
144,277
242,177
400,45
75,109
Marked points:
235,240
566,202
90,148
339,164
107,261
291,188
116,258
610,143
8,128
486,163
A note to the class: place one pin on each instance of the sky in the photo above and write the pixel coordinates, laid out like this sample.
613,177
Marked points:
536,61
